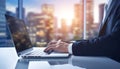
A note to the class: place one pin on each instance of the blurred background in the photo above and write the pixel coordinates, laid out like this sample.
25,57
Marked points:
48,20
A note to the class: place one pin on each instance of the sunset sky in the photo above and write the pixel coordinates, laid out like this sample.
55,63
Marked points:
63,8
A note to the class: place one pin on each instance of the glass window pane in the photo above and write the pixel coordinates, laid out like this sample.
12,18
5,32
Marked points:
48,20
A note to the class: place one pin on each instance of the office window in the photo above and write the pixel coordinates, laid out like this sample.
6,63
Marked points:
48,20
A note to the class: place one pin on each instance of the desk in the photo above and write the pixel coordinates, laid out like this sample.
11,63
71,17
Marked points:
10,60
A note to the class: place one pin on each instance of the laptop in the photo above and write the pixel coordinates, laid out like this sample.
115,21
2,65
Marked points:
22,43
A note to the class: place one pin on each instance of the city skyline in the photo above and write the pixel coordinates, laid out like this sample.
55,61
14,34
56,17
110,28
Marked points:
62,9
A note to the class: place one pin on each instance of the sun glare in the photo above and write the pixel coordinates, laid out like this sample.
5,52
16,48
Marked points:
67,16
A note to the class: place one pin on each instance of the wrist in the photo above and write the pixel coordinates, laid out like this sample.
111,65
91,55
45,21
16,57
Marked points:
70,48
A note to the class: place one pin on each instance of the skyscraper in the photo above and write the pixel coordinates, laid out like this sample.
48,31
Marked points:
41,25
2,23
77,24
89,15
20,10
64,29
48,10
101,12
32,26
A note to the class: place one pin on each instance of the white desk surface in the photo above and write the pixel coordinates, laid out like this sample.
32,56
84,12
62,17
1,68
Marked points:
10,60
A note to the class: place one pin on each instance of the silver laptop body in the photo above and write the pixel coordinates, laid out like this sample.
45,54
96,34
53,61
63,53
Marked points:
22,43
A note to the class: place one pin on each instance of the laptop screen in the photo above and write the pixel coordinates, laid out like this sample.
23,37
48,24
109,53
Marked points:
19,33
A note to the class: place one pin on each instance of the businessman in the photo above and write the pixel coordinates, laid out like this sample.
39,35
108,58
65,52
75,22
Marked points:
106,44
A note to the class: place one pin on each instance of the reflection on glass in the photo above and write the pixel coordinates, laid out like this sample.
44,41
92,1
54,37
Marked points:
48,20
19,33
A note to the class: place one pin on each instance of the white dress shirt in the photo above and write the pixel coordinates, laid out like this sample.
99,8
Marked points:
106,8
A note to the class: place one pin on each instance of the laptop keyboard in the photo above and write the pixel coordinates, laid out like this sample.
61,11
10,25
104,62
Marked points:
37,52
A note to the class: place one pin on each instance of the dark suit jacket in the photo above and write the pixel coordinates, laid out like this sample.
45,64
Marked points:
108,41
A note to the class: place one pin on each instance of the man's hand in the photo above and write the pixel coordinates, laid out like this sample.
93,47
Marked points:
57,47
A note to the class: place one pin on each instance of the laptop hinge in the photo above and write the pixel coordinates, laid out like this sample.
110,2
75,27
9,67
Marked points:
25,52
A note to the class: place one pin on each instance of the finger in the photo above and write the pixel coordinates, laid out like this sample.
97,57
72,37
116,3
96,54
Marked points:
52,42
52,45
49,48
63,42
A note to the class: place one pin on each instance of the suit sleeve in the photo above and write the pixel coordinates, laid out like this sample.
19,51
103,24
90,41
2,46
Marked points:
107,45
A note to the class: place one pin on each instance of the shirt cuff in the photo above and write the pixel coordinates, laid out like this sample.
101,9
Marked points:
70,48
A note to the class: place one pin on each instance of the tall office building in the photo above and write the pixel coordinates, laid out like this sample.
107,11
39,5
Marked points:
20,10
32,26
3,34
37,30
41,25
64,29
56,28
48,11
89,15
101,12
77,24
